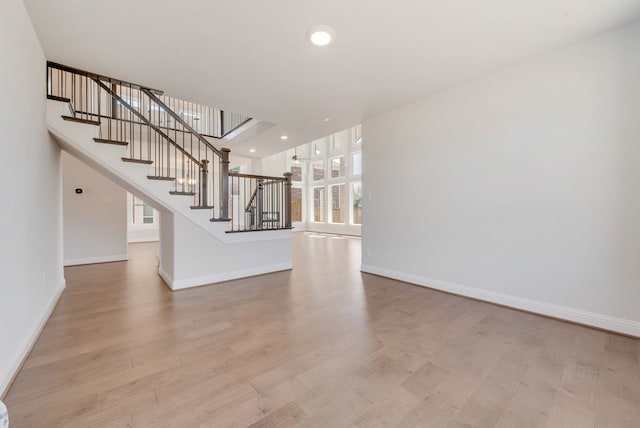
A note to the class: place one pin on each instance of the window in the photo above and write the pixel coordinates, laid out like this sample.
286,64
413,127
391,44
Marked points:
296,204
356,163
335,143
318,147
296,173
318,170
356,203
318,204
338,203
329,180
147,214
141,213
337,167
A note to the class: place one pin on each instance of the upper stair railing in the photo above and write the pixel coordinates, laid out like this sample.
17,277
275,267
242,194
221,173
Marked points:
162,132
205,120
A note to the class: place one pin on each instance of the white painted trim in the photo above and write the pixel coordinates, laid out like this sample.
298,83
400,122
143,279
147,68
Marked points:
141,240
261,235
92,260
222,276
31,341
168,280
602,321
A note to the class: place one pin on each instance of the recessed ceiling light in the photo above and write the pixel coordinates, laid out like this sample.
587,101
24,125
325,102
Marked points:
284,137
326,119
321,35
252,150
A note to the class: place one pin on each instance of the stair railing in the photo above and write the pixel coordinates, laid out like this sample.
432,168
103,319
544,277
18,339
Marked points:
207,121
130,115
153,133
259,203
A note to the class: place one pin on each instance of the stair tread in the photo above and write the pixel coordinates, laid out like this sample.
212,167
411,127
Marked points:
173,192
219,219
80,120
144,161
160,177
57,98
107,141
202,207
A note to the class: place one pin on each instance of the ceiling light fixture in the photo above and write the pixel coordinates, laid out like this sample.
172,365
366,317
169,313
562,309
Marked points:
284,137
321,35
252,150
295,159
326,119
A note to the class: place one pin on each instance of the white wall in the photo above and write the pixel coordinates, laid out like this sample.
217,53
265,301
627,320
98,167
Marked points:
166,245
522,187
31,244
275,165
95,222
189,257
246,164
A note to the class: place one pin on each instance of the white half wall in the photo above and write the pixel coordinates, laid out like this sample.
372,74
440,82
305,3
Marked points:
31,244
165,250
95,221
197,258
521,187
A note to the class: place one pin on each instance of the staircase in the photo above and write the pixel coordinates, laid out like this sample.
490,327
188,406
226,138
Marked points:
172,141
163,150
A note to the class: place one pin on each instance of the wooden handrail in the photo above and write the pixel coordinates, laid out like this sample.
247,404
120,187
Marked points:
145,120
133,121
179,119
264,177
241,124
101,77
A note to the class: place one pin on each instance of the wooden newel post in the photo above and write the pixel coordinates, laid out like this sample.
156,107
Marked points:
204,183
287,199
260,203
224,184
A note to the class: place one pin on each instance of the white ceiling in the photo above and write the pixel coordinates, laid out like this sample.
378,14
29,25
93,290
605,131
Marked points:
252,56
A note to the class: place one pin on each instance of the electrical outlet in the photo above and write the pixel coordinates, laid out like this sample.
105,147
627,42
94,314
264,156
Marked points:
4,416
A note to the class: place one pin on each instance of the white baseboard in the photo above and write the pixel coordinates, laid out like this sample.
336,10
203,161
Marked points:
23,353
168,279
592,319
92,260
220,277
140,240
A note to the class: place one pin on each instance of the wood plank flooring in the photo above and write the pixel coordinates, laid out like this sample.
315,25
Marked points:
320,346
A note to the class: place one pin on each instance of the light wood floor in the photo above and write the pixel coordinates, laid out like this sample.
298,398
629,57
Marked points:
320,346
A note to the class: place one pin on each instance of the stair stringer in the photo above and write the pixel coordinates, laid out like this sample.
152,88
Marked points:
77,139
